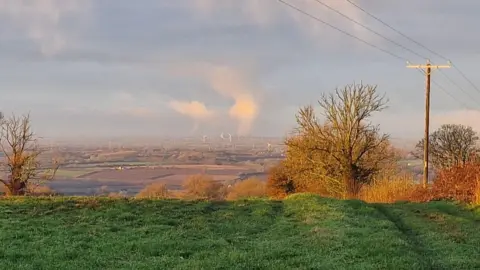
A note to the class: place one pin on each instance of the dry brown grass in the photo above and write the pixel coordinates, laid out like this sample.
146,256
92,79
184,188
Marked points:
389,190
177,194
39,190
202,186
154,190
249,188
476,198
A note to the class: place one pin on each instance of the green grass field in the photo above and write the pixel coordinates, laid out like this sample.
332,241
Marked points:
301,232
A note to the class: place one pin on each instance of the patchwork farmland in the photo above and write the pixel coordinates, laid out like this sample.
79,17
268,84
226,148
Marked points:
89,181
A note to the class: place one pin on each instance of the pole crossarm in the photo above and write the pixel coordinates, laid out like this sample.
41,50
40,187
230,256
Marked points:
427,66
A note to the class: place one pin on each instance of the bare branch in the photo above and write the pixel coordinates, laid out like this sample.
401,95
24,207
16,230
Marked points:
21,151
450,145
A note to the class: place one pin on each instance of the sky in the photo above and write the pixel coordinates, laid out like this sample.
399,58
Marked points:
85,68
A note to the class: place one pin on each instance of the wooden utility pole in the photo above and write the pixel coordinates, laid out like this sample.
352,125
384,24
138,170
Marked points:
428,71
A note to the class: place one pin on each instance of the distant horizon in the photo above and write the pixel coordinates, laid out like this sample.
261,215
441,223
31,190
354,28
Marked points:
403,143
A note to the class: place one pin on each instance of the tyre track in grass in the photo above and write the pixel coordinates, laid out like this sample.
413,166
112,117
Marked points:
409,235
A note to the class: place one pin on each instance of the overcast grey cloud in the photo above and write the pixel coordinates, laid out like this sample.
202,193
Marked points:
160,67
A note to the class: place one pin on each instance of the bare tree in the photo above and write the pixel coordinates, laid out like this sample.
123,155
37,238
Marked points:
21,156
450,145
351,149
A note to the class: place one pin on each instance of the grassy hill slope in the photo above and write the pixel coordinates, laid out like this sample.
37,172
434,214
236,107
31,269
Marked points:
302,232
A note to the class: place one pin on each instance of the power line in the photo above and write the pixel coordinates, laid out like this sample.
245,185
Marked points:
342,31
445,91
367,43
428,68
396,31
370,29
359,39
416,42
450,95
465,77
457,85
401,46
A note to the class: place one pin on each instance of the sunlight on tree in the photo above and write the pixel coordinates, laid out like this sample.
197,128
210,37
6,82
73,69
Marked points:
451,145
346,150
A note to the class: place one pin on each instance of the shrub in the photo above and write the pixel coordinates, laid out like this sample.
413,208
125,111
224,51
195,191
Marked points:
476,199
459,183
177,194
154,190
389,190
279,185
202,186
38,190
249,188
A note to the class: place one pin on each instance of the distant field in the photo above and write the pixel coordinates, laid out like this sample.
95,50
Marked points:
129,175
73,173
301,232
86,181
118,163
211,167
119,154
136,174
176,181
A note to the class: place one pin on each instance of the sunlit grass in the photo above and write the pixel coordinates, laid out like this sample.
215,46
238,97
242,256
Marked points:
302,232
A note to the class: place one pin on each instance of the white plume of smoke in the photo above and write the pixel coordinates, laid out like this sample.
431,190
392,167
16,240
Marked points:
193,109
229,83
